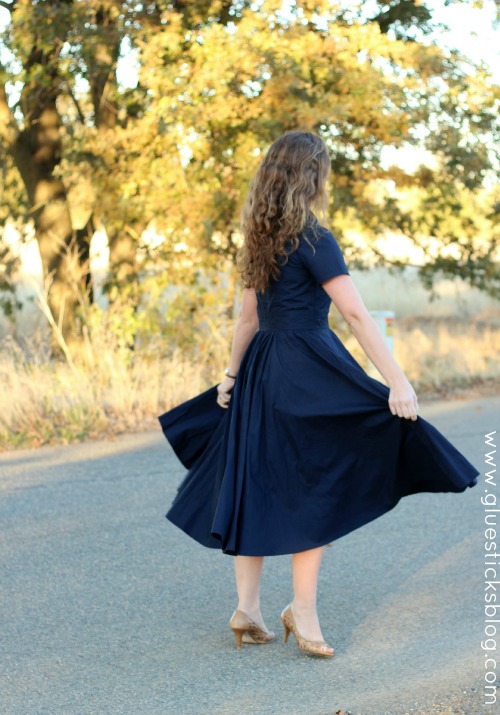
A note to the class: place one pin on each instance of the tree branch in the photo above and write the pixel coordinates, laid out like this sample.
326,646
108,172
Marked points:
75,101
398,263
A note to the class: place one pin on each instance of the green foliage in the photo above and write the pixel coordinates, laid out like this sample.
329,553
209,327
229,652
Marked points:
218,81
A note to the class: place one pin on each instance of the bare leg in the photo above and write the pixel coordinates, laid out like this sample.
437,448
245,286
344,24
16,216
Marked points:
305,567
248,570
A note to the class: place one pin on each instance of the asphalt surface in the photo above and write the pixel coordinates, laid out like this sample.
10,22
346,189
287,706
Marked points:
107,608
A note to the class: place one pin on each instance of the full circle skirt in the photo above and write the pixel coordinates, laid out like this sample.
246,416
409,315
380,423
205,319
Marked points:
307,451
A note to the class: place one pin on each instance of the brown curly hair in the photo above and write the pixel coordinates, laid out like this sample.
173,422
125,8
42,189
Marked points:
289,181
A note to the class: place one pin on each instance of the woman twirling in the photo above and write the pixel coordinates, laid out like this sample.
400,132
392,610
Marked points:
298,446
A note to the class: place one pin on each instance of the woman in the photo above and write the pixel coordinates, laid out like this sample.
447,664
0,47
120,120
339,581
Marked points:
298,446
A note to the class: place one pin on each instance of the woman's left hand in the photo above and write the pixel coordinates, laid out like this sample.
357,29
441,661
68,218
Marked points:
224,392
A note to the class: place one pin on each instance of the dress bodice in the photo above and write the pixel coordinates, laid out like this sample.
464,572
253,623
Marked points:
296,300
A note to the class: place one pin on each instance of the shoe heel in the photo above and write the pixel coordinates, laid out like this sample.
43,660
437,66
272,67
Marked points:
238,632
247,631
287,632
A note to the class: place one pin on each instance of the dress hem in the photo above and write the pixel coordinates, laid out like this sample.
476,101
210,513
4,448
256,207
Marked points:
309,546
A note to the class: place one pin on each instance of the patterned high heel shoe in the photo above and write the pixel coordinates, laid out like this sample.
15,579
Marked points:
247,631
310,647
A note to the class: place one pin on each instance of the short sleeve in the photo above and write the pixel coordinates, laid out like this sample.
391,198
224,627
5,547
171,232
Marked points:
323,257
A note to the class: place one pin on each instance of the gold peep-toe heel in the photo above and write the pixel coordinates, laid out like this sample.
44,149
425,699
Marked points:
310,647
247,631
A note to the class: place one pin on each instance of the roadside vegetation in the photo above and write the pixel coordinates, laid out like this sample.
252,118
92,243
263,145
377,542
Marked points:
102,385
143,122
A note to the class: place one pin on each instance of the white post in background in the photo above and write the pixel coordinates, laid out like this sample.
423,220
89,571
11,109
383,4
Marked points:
384,320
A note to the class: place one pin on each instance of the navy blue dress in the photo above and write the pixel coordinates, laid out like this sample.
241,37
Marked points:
308,449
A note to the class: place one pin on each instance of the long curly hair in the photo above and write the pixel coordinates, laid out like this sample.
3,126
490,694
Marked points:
289,182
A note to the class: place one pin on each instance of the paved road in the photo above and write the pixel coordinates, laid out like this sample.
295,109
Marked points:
107,608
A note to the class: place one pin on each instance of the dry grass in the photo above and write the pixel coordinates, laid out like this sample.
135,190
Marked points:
108,389
47,401
440,355
447,354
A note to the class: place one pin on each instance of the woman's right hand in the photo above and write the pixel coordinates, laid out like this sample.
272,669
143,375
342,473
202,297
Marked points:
224,392
403,400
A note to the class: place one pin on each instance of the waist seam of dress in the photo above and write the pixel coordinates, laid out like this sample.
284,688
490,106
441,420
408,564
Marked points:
295,329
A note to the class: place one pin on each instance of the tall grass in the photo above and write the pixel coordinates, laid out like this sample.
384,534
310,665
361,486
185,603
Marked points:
451,353
440,355
107,388
45,400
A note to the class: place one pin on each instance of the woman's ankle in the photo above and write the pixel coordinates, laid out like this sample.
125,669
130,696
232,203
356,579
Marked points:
304,606
252,610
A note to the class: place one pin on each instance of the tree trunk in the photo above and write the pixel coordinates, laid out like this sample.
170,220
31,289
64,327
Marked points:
36,150
101,57
122,264
37,153
83,237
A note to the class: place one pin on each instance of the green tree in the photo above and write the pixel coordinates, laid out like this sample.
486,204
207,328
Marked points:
45,48
218,81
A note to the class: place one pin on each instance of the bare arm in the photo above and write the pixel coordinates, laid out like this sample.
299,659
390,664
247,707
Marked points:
246,327
344,294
